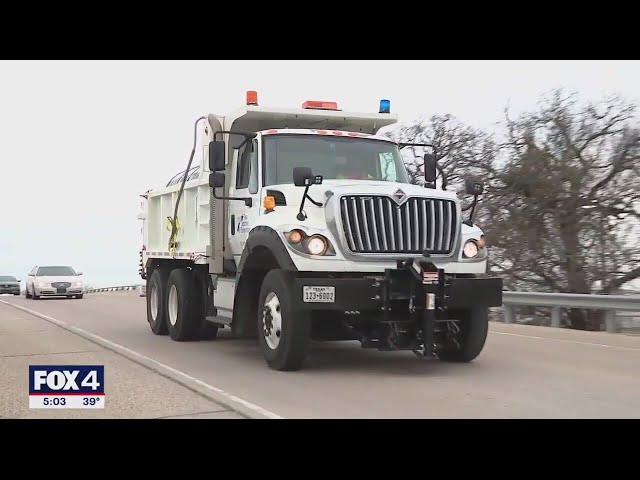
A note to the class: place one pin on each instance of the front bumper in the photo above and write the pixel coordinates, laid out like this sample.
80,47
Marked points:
11,290
374,293
58,292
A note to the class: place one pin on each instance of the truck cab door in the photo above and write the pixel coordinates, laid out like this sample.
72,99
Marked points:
244,184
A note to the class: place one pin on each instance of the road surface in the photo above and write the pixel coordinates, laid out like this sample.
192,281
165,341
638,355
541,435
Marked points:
524,371
132,391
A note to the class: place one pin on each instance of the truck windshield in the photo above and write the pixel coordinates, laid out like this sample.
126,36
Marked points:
335,158
56,272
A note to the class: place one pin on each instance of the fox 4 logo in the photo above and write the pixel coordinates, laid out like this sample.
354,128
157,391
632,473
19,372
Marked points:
66,379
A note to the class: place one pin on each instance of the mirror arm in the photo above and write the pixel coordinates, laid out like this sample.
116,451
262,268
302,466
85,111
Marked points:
403,145
469,221
317,204
248,201
301,216
247,136
443,175
305,196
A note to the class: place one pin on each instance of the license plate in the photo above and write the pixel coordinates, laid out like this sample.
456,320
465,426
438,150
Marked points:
61,290
319,294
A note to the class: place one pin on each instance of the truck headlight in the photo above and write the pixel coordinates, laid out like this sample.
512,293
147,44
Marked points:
316,244
470,249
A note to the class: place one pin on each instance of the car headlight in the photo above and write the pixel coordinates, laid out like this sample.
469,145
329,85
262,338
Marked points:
316,244
77,284
41,284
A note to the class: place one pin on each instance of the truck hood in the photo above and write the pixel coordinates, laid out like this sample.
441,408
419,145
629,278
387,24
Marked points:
320,193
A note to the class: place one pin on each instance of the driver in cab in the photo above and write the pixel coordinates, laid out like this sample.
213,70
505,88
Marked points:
355,169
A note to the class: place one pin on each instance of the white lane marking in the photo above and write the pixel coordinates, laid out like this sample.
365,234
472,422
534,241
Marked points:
566,340
99,339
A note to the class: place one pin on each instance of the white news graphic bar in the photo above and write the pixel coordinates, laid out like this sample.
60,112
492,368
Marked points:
66,401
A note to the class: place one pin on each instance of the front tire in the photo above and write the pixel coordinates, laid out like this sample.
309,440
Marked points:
156,312
183,306
283,332
474,328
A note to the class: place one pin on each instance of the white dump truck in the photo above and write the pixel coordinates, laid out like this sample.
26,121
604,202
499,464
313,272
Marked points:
300,224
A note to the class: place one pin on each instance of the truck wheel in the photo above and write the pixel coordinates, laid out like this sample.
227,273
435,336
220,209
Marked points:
283,332
156,312
474,327
183,306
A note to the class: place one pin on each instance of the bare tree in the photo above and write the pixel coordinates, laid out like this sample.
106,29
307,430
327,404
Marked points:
568,192
563,193
460,149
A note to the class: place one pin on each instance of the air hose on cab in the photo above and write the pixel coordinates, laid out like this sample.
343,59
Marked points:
172,223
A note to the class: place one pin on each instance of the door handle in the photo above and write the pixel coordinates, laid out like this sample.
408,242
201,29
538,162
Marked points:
233,224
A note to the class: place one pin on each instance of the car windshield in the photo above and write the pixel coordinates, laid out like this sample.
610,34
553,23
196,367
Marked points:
8,279
335,158
56,272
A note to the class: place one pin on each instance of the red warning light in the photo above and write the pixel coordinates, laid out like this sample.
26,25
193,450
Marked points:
252,97
319,105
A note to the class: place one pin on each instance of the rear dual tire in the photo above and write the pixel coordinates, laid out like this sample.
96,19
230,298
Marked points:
184,305
156,310
176,306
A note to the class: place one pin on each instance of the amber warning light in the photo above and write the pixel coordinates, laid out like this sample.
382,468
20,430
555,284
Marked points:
269,202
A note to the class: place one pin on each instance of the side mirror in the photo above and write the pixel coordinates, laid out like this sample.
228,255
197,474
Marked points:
473,186
78,273
216,155
18,280
217,179
304,177
430,170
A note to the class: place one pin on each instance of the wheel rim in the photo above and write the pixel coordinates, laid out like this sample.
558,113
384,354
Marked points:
272,321
154,302
173,305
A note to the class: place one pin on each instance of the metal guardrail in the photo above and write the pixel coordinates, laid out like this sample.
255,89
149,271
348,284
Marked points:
557,301
113,289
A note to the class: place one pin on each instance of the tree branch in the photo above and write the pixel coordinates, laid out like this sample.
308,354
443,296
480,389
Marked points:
618,282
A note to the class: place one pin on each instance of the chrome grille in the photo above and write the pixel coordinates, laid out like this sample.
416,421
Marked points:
376,224
61,284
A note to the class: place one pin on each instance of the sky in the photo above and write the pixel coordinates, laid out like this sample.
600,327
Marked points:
80,140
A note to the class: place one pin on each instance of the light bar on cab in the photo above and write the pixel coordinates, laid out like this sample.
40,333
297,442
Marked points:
319,105
385,106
